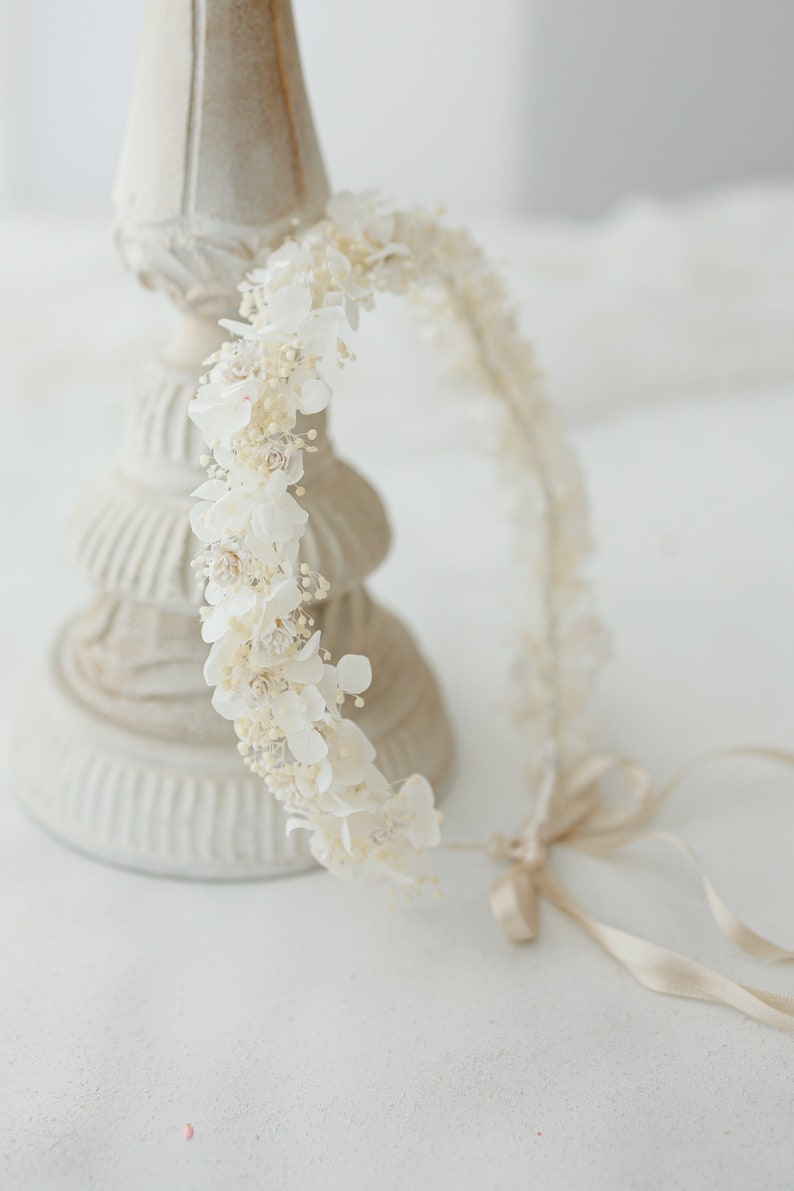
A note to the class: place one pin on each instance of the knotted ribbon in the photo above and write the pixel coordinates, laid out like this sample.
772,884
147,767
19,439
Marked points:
574,814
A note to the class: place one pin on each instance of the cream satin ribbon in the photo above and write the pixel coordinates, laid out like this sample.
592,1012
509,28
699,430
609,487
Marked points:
575,816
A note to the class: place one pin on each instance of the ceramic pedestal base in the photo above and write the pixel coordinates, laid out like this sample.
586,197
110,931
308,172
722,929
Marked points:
190,809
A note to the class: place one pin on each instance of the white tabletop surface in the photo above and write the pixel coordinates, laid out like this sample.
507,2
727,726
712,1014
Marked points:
313,1038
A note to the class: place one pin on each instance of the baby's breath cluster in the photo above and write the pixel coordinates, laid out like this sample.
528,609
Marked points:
266,662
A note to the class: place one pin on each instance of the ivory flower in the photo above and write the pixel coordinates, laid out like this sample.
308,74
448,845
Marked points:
286,458
296,715
221,411
289,306
244,690
225,566
362,215
221,616
275,514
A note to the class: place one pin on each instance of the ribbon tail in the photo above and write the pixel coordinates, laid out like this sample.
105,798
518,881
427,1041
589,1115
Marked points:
729,923
664,971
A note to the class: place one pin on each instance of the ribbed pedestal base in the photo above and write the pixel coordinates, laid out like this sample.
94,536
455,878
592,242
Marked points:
188,810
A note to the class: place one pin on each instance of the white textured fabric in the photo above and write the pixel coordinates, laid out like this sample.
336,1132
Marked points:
313,1038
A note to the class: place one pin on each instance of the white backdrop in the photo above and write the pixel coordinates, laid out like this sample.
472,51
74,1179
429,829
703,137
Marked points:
563,106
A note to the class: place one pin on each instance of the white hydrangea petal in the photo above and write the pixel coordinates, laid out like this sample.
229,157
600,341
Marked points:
244,330
327,686
210,490
214,593
208,393
315,395
227,703
288,307
263,549
223,419
220,656
296,823
294,512
227,517
217,622
359,741
351,313
270,522
308,671
318,336
307,746
285,596
339,264
325,775
313,703
344,208
224,455
276,485
375,780
278,520
380,227
198,522
421,821
354,673
312,646
288,257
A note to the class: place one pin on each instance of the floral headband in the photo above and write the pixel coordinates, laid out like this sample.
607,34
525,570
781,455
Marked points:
270,673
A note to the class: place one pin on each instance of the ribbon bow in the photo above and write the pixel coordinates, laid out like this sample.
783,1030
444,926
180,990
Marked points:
574,814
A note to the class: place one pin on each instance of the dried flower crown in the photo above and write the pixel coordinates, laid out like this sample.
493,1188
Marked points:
267,664
275,681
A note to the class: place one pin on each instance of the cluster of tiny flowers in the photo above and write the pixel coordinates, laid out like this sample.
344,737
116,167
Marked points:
270,673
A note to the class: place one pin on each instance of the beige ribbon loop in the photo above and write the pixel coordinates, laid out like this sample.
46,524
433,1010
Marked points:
577,818
514,901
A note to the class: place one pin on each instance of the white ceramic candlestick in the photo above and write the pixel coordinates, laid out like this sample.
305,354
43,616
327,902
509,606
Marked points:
220,158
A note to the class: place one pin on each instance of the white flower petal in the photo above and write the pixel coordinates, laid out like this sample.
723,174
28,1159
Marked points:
351,313
285,596
325,775
327,686
343,208
222,420
232,608
304,672
297,824
307,747
318,335
220,656
289,306
421,822
198,522
339,264
244,330
263,549
289,257
276,485
210,490
270,524
313,702
313,644
227,703
227,517
314,397
354,673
